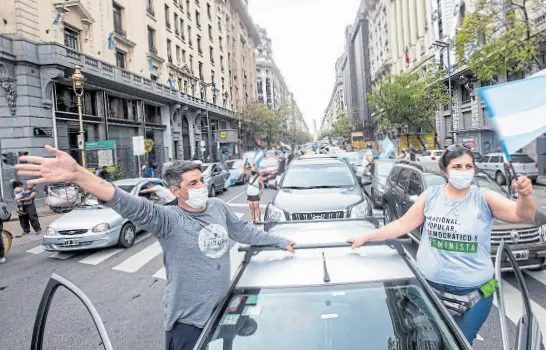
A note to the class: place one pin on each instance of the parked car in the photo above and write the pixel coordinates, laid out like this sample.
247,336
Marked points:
496,165
374,181
527,240
237,175
268,170
316,189
215,175
430,159
93,225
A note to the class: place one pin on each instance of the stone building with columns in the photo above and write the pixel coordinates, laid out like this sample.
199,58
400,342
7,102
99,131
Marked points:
337,102
160,80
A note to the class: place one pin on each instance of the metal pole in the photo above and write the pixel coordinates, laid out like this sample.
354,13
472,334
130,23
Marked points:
54,116
82,138
209,130
450,93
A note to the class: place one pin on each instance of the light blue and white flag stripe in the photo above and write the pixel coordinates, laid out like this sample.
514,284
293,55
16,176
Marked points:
517,110
388,149
258,157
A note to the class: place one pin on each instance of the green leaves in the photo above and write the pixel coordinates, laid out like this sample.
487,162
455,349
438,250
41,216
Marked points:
343,126
407,99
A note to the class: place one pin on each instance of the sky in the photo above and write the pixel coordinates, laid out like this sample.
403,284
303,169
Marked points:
307,39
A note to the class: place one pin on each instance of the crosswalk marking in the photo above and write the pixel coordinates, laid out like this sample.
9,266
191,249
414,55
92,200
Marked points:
161,274
135,262
244,205
538,275
100,256
36,250
513,305
61,255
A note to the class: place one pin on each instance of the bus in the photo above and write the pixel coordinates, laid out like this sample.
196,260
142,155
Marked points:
357,140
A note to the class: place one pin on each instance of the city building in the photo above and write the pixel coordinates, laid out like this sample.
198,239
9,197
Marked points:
379,47
357,79
170,71
337,103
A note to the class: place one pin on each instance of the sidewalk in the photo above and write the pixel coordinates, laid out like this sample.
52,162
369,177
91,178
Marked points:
41,207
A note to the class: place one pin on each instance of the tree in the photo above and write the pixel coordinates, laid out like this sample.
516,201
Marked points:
496,40
408,100
261,122
343,126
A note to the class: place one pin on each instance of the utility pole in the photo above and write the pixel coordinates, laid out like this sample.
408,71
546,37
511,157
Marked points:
446,45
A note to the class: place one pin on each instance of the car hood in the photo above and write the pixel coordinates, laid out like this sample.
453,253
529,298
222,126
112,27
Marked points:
84,219
318,199
538,220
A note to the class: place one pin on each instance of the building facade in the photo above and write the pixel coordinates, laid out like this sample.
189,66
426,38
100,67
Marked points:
337,102
379,47
171,80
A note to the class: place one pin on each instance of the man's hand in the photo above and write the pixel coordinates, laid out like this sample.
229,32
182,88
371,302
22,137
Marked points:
289,247
358,241
523,186
62,168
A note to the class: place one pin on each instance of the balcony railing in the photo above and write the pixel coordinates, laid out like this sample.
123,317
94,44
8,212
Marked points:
120,31
150,11
153,50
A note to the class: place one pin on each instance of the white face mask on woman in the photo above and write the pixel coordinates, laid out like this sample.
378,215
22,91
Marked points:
460,179
197,198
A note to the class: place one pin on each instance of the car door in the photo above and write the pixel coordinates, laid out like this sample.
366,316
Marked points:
389,194
217,177
54,283
414,190
483,163
495,165
400,200
528,333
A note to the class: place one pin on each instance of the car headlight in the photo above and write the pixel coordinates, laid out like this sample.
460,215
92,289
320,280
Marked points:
275,214
542,233
360,210
101,227
50,231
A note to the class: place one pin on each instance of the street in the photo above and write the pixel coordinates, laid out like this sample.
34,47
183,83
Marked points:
126,287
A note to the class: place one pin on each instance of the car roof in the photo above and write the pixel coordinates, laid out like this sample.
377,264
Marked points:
327,160
271,269
135,181
312,156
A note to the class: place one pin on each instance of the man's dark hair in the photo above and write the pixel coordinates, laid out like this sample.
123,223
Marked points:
173,174
453,152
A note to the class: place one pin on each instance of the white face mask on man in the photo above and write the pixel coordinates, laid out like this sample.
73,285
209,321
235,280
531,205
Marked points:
197,198
460,179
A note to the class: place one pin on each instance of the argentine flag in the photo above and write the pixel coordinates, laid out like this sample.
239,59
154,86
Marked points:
388,149
258,157
517,110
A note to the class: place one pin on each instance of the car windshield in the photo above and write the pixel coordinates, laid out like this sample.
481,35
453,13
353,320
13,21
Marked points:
521,158
382,315
434,180
318,175
484,182
268,163
238,164
127,188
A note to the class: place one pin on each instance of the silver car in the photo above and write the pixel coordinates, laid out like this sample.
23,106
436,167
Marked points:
93,225
215,175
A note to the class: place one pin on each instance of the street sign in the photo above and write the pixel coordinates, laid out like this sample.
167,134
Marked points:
43,132
103,144
138,145
81,141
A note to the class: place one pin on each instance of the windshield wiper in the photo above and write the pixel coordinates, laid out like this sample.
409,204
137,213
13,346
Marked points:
296,187
326,186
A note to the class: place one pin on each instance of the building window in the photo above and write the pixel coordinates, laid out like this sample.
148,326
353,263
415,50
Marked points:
222,63
177,31
150,7
219,24
190,36
191,60
213,77
222,82
220,43
200,70
210,32
72,38
182,30
466,96
209,11
177,53
151,41
167,19
117,14
169,55
120,59
199,45
198,21
212,54
188,8
183,56
180,83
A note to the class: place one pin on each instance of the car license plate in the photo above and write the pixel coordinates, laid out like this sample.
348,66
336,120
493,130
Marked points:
71,242
521,254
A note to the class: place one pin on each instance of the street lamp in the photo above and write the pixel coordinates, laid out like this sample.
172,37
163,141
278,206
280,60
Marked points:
78,86
446,45
204,86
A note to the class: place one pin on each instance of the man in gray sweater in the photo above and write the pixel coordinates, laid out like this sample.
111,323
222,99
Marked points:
195,237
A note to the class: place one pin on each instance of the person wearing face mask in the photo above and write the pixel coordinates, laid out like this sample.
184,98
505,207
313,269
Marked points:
254,189
194,235
454,251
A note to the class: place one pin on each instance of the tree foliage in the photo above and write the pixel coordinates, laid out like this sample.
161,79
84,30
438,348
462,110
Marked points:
342,127
496,42
408,100
263,123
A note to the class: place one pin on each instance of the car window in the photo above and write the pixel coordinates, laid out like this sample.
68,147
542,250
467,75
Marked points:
318,175
484,159
394,176
382,169
415,187
495,159
329,317
426,153
403,179
486,183
521,158
127,188
238,164
230,163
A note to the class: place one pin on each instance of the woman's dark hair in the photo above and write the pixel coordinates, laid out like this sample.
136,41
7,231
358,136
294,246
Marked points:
453,152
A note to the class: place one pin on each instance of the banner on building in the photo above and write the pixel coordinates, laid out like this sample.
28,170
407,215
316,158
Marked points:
406,140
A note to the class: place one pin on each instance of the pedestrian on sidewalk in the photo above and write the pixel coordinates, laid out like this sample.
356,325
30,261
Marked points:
195,237
29,217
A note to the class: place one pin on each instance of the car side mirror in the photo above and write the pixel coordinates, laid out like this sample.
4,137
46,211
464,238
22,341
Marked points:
413,198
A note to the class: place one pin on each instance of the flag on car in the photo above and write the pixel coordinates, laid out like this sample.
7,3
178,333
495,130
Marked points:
517,110
388,149
258,157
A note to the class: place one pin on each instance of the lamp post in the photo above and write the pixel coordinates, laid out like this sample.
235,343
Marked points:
204,86
446,45
78,86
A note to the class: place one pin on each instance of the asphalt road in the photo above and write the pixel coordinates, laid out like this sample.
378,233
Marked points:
130,303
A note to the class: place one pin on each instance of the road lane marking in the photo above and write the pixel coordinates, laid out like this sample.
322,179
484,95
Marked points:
245,205
142,237
538,275
62,255
239,195
36,250
161,274
513,306
135,262
100,256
